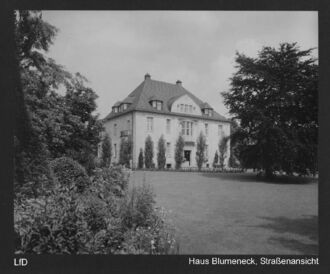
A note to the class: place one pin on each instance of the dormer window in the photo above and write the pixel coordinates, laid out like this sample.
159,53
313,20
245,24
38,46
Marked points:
208,112
124,106
115,107
157,104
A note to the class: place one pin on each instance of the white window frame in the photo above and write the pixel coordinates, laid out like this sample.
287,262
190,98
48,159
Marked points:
150,124
168,149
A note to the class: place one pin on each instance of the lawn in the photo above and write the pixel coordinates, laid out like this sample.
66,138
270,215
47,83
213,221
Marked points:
237,213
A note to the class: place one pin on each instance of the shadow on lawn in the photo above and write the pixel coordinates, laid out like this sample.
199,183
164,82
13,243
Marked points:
306,227
252,177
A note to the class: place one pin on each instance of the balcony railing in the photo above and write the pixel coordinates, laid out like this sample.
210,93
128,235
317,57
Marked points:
125,133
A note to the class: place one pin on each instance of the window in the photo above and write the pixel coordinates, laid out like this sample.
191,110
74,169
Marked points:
115,109
206,152
115,150
186,128
128,124
123,107
157,104
115,130
206,129
185,108
168,125
150,124
220,130
181,107
208,112
190,108
168,150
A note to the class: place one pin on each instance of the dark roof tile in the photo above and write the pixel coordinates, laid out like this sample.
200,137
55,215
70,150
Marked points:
165,92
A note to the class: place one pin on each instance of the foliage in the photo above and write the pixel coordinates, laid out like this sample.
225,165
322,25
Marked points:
48,125
141,160
148,233
114,179
148,152
161,156
200,150
125,153
106,151
100,220
233,160
216,159
67,173
179,152
223,148
274,97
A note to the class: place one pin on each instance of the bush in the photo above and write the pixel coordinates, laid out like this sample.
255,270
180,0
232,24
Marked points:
200,150
106,151
147,233
112,180
148,152
68,173
216,159
179,152
99,220
141,160
161,158
138,207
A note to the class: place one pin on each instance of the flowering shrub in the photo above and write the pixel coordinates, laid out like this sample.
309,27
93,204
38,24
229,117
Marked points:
99,217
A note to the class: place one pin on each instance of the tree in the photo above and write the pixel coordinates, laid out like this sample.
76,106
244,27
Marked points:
125,153
140,163
106,151
48,124
179,152
223,147
274,97
233,160
200,150
161,157
148,152
216,159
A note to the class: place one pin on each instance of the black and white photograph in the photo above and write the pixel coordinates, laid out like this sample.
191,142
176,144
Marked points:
166,132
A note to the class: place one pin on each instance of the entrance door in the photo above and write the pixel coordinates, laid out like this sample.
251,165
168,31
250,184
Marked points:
187,156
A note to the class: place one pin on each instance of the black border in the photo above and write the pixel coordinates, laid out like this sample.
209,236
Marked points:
152,264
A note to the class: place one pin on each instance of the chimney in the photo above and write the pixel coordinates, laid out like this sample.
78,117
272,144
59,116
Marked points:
147,76
179,83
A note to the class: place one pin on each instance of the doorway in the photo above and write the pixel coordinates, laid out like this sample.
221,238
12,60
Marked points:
187,156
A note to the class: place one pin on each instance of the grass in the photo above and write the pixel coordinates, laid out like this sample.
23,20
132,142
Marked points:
237,213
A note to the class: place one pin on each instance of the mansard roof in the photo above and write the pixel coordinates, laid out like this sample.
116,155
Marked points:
166,92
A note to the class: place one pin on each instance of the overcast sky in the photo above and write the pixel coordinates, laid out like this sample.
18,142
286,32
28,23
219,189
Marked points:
114,49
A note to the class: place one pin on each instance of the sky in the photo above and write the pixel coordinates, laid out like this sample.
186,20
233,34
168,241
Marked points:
115,49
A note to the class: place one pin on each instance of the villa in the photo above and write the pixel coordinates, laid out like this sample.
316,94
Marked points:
157,108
